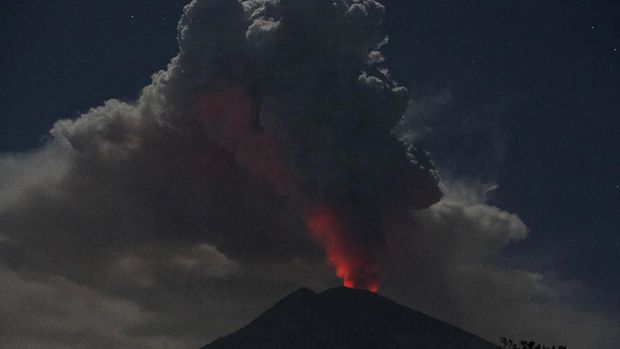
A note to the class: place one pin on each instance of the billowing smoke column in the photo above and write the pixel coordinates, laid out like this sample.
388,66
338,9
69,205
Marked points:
270,107
295,90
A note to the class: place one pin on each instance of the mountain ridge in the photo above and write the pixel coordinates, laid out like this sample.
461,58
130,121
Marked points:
346,318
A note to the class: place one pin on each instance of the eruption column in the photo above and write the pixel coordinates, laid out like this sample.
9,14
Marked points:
293,90
356,264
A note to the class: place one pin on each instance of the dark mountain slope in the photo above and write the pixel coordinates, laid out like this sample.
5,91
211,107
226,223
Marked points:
345,318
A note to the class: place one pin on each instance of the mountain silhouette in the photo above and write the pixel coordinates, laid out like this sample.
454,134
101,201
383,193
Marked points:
344,318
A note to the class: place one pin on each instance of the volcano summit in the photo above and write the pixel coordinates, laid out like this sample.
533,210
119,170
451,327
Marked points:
346,318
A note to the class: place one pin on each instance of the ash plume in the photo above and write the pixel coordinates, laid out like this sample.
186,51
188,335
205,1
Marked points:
272,110
302,105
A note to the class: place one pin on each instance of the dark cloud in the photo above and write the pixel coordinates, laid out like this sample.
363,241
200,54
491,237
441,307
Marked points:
56,313
176,218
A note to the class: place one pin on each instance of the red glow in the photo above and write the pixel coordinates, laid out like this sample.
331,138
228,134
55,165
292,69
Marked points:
355,264
230,117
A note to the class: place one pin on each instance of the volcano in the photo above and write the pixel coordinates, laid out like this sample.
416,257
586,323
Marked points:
345,318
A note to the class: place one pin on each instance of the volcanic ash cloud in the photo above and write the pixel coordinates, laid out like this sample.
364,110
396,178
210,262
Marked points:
275,117
300,102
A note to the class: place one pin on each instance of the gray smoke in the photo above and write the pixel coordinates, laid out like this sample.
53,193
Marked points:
269,106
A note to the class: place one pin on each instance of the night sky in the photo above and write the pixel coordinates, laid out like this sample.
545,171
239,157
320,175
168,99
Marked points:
521,96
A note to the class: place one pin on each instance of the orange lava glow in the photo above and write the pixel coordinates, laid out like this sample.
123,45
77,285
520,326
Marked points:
353,263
